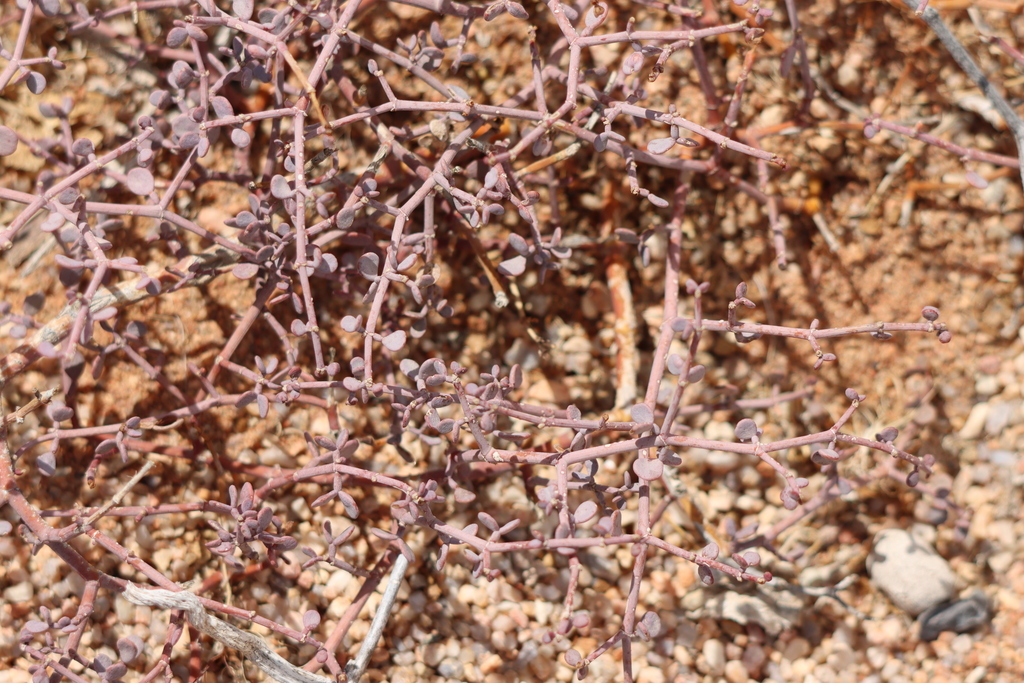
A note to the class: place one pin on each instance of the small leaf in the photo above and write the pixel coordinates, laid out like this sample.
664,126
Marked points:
140,181
8,141
513,267
706,575
394,341
746,429
310,619
47,464
280,188
115,671
516,10
641,413
368,264
464,496
242,9
239,138
674,363
648,469
36,82
660,145
245,271
585,512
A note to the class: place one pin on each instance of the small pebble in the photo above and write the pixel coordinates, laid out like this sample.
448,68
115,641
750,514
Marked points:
959,616
714,654
450,668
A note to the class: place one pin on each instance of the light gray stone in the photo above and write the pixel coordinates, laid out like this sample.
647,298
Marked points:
909,571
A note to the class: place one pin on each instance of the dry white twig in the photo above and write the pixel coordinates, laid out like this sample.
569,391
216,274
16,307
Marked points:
967,64
250,645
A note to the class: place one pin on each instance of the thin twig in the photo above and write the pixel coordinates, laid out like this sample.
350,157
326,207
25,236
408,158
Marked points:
354,669
119,496
966,62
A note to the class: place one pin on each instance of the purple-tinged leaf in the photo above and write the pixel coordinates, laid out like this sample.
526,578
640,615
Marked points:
573,658
323,500
140,181
669,457
657,201
914,478
641,413
47,464
263,405
516,10
310,619
394,341
8,141
129,648
746,429
464,496
368,265
181,75
245,271
36,83
651,623
824,456
68,196
494,10
519,244
595,15
647,469
189,141
298,328
222,108
633,63
176,37
488,521
242,9
887,435
707,577
513,267
930,313
585,512
349,503
59,413
660,145
105,313
976,180
710,551
36,626
626,235
160,99
674,363
240,138
351,324
515,376
195,33
52,223
696,374
280,188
